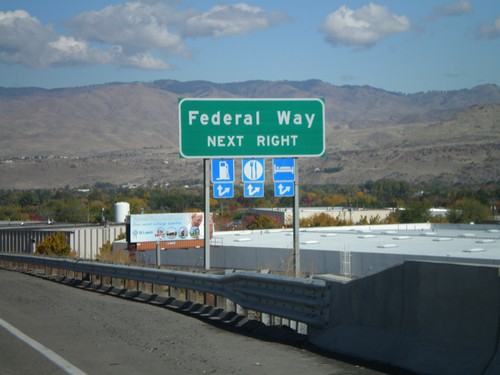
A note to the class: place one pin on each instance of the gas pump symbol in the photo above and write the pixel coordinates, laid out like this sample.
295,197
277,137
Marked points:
223,171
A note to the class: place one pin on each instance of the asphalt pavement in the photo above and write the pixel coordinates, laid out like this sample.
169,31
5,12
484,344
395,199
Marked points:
95,333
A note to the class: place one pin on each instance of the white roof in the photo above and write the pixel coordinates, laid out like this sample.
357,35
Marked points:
473,241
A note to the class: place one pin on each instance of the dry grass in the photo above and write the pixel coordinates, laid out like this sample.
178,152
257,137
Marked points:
115,257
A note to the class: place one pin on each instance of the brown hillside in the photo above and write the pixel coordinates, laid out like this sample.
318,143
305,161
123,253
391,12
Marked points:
128,133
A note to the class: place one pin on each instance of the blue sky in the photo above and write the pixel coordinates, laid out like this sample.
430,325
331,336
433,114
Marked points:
398,45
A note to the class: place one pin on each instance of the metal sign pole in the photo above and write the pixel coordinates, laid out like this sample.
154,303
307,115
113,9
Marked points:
296,241
206,179
158,254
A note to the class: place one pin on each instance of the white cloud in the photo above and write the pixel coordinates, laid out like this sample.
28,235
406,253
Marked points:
70,51
23,39
489,31
224,20
142,60
363,27
140,34
135,27
457,8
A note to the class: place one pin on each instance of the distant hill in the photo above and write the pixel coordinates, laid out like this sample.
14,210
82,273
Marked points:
128,133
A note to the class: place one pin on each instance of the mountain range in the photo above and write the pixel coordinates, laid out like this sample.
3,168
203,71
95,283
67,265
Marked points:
127,133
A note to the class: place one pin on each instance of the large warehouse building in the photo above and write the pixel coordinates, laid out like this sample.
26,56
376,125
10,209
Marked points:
353,251
348,251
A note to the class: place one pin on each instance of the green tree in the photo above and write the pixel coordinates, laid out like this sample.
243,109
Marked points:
28,199
388,191
416,212
175,200
68,209
468,210
55,244
12,212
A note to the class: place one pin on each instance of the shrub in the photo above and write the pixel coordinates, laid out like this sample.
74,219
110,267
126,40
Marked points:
55,244
108,255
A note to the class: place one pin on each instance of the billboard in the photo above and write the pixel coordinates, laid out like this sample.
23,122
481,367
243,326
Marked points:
180,229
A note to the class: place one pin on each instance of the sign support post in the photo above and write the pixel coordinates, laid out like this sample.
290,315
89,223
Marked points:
158,254
206,215
296,239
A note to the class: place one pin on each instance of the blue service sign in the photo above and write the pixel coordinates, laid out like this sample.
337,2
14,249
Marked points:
253,170
253,190
284,169
284,189
222,170
224,190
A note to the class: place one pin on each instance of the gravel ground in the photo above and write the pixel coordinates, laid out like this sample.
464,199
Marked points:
102,334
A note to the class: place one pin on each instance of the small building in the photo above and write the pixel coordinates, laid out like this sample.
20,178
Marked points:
85,240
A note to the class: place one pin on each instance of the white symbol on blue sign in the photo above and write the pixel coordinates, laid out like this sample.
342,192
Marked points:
222,170
284,189
253,190
253,170
284,169
225,190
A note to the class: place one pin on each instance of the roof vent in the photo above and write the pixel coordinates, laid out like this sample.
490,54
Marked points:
474,250
387,246
245,239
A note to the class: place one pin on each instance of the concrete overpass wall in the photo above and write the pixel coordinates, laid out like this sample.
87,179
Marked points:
431,318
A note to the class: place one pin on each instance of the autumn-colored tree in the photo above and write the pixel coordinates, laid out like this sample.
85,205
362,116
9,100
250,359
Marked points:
54,244
335,200
264,222
372,220
310,199
323,220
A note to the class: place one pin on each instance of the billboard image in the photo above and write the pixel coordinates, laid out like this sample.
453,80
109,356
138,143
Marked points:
173,228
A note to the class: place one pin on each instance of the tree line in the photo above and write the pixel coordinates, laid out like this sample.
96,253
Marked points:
412,201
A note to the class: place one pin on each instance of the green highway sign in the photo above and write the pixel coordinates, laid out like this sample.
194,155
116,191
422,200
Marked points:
234,128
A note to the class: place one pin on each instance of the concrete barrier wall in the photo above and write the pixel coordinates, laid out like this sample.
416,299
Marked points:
430,318
494,366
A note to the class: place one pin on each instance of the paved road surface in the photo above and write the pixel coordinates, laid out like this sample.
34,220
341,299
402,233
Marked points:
102,334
